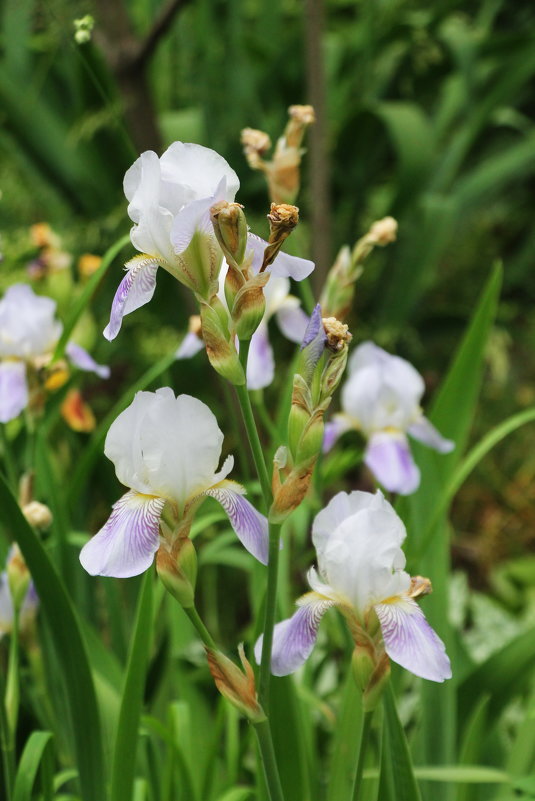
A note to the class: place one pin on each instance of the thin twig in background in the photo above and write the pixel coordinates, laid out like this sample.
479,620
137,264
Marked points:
318,152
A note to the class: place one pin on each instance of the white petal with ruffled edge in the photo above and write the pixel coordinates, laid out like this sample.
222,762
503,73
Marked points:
250,526
284,265
136,289
424,431
194,217
13,390
197,171
126,545
260,361
294,639
141,184
389,458
411,642
84,361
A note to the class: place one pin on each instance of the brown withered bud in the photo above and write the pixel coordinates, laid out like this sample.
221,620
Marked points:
235,685
282,218
255,143
419,586
38,515
300,118
383,232
338,334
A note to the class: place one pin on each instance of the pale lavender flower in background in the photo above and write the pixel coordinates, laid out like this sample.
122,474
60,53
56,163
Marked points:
358,538
381,399
29,332
166,449
169,202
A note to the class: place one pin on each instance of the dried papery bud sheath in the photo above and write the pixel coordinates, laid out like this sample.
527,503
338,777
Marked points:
235,685
177,568
381,233
38,515
230,227
300,117
420,586
219,344
283,218
255,144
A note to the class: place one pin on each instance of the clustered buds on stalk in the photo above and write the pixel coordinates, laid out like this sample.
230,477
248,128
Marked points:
339,289
244,287
320,367
282,172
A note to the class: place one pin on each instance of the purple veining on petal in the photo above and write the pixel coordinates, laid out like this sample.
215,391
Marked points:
411,642
13,390
260,362
136,289
84,361
389,458
126,544
294,639
250,526
424,431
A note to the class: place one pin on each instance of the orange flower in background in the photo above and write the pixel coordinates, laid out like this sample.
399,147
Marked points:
77,413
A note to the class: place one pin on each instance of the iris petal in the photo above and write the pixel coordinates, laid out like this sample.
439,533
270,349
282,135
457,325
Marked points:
136,289
250,526
126,544
411,642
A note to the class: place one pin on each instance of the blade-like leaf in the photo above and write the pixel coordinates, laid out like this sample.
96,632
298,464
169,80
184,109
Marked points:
29,764
69,646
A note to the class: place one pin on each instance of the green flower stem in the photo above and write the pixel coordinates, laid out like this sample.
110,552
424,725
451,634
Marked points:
6,745
11,469
274,537
364,740
269,761
252,432
264,676
203,632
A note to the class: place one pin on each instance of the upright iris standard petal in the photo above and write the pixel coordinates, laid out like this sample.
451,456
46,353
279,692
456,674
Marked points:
411,642
84,361
13,390
136,289
424,431
294,639
389,458
126,545
250,526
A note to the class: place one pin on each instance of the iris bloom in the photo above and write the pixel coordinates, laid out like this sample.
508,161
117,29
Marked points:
358,539
381,399
29,333
280,304
166,450
169,200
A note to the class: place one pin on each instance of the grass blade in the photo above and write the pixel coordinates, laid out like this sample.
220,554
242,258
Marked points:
30,762
69,646
124,757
